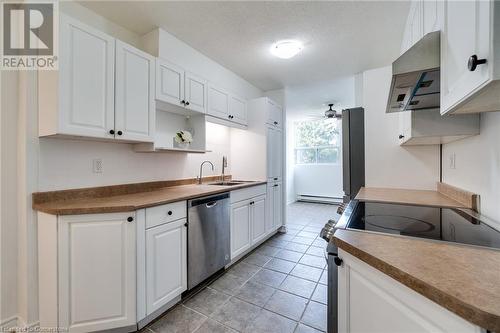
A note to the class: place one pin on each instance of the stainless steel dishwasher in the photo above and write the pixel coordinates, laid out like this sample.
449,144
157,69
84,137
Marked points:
208,237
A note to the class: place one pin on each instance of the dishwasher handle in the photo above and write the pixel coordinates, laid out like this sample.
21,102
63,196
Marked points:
211,204
208,201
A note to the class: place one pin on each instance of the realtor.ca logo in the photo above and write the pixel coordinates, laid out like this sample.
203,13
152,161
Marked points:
29,36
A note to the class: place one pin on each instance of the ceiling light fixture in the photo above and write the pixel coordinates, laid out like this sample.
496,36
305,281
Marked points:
286,49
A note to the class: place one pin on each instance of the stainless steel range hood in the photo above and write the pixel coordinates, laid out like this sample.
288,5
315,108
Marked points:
415,77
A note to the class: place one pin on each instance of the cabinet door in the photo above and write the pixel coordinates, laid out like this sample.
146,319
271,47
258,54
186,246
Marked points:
269,208
370,301
238,109
258,219
277,154
195,93
134,96
466,32
240,228
97,272
169,82
270,154
86,80
277,205
404,119
218,102
166,263
274,113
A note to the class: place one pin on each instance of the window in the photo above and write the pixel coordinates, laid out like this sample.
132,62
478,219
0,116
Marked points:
317,141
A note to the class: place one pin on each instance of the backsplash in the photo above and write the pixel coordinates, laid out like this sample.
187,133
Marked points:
474,164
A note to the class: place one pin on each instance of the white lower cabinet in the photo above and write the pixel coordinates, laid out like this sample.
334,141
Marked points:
274,206
166,263
240,228
87,271
370,301
258,218
249,219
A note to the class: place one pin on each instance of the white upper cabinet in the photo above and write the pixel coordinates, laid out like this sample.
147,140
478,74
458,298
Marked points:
470,46
226,106
169,82
238,109
275,113
218,102
103,89
80,100
195,92
134,94
179,88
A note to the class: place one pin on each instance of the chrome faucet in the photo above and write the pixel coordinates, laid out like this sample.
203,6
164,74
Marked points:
201,170
224,166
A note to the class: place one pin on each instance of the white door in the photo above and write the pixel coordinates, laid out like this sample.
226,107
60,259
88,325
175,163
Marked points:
86,74
277,205
240,228
238,109
277,154
270,208
218,102
466,32
166,263
134,96
97,271
169,82
258,219
195,93
270,155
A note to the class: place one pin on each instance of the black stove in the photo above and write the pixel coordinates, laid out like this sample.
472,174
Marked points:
447,224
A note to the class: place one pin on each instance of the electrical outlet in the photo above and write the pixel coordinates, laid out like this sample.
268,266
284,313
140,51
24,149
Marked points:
453,160
97,165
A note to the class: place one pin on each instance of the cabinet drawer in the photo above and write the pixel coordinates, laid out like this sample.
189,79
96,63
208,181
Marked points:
247,193
165,213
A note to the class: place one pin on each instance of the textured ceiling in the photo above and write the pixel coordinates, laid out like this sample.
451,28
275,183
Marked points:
341,37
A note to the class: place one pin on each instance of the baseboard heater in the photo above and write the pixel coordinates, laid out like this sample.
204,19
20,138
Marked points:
319,199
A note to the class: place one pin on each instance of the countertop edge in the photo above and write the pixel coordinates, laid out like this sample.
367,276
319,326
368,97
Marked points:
460,308
130,208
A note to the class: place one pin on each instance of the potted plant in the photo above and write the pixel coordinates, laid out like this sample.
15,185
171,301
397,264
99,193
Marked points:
183,139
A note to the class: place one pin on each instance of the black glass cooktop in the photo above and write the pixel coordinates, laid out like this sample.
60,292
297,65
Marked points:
447,224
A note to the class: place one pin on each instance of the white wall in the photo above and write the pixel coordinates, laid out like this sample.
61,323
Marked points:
322,180
477,164
388,164
68,164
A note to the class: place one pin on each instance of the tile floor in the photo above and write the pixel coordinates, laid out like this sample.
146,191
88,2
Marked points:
280,287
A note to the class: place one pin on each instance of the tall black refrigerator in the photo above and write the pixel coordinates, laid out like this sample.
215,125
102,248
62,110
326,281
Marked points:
353,151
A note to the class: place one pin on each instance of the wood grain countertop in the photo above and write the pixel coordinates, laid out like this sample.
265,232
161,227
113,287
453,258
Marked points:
462,279
405,196
125,198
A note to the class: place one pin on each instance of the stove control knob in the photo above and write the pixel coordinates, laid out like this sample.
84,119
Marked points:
337,261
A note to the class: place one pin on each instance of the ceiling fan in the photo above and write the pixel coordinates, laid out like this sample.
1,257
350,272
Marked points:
330,113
